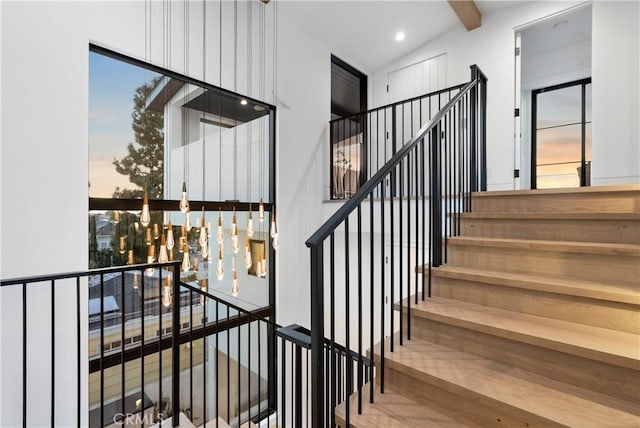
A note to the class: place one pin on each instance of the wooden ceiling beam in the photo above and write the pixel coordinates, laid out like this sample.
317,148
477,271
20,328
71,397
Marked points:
467,12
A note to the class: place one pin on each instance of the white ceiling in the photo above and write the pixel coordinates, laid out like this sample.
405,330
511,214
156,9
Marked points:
362,32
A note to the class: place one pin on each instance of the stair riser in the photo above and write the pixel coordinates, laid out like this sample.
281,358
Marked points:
598,313
612,202
606,231
571,369
464,405
592,267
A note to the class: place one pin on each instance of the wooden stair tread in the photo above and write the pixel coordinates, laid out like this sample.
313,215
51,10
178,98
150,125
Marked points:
390,410
561,191
489,383
609,346
573,287
552,215
557,246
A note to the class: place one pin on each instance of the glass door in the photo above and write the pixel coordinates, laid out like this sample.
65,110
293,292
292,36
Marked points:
561,137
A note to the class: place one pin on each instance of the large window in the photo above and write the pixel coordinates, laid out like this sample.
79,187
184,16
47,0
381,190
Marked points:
561,154
155,129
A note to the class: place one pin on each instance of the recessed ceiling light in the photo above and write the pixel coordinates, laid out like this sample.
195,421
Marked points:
399,36
243,102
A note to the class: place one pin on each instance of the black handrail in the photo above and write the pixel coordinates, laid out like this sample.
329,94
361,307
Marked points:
320,235
444,162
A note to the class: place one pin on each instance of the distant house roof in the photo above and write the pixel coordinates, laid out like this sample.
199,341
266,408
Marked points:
110,305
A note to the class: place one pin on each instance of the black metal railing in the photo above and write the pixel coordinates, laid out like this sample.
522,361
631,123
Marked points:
155,350
401,217
362,143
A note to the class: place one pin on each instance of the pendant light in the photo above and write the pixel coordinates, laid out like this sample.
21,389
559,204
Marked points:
235,241
122,248
220,267
203,288
166,291
247,254
148,237
187,220
163,257
261,209
145,215
250,222
234,285
184,202
170,241
275,242
130,257
135,281
186,262
150,259
156,231
220,233
203,241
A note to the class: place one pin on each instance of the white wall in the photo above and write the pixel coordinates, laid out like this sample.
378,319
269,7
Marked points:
44,169
616,93
491,47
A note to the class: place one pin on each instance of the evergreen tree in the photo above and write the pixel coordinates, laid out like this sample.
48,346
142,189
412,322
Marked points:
145,158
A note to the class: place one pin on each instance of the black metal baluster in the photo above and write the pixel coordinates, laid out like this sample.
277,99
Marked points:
24,355
347,304
392,268
78,344
283,382
249,369
101,348
175,348
332,146
298,384
400,273
53,352
359,211
239,371
332,315
382,290
443,171
191,351
141,338
122,334
371,294
217,370
409,196
417,187
228,334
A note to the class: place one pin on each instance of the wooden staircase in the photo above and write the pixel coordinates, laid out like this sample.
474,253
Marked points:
534,320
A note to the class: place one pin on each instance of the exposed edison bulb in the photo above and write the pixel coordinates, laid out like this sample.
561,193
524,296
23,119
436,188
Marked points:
145,215
136,227
234,224
234,287
275,241
187,220
148,238
263,267
123,246
220,268
170,241
184,202
163,257
150,259
135,281
166,292
261,211
220,234
203,288
274,229
250,223
156,231
186,262
235,244
181,243
233,264
130,257
247,254
203,233
205,253
116,217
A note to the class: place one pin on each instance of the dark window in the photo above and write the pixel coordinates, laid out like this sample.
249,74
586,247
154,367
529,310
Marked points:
348,89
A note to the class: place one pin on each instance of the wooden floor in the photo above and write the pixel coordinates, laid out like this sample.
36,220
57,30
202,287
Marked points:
534,320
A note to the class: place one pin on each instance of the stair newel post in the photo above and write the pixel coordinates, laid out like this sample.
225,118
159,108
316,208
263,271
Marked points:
473,131
436,200
175,351
317,335
483,131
